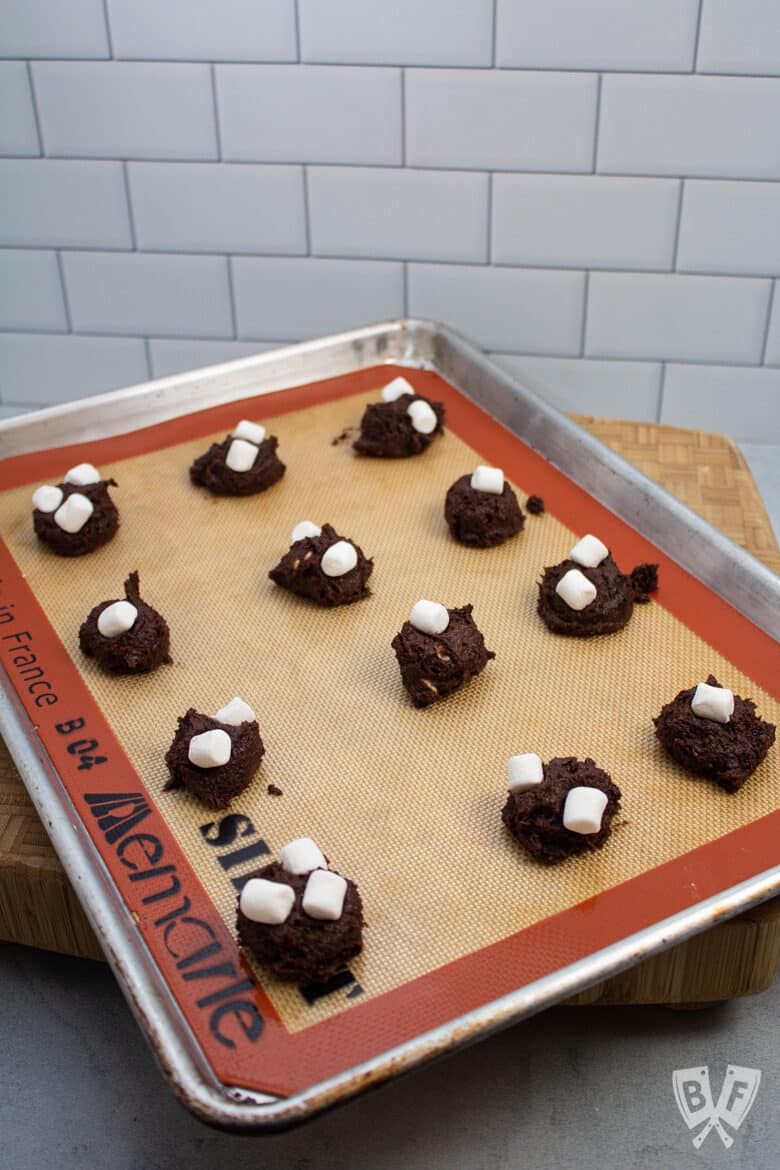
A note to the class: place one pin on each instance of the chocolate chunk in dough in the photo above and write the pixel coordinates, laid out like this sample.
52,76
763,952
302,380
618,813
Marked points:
300,571
303,949
216,787
212,472
482,519
142,648
535,817
101,526
535,505
386,429
612,606
434,665
724,752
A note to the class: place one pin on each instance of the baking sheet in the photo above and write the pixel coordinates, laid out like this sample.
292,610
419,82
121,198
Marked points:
410,868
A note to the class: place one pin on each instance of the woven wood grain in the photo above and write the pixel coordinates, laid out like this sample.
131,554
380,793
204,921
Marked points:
707,472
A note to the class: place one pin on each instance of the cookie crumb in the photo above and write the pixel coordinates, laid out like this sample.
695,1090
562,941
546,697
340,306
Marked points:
273,790
535,505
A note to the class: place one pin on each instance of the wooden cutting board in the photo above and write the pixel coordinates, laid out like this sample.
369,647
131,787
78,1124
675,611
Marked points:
707,472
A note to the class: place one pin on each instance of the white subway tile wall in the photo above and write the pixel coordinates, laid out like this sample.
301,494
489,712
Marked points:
591,192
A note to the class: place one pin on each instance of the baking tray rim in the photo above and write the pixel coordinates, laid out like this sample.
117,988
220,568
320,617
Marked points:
417,344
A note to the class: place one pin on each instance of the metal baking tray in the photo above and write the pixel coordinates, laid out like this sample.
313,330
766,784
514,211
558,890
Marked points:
690,541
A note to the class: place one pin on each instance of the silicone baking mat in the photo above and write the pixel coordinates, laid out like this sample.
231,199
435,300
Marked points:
406,802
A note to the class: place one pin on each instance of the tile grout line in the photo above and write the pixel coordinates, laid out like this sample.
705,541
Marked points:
770,304
306,213
148,352
403,117
597,126
109,38
131,219
661,391
405,278
232,297
678,225
215,105
36,115
696,38
585,300
61,269
495,34
297,23
490,218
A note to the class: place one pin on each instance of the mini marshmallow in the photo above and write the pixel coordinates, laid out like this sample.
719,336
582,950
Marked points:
72,515
715,703
339,559
429,617
47,498
241,455
488,479
423,416
324,895
266,902
583,810
82,474
396,389
575,589
304,529
589,552
235,713
117,619
252,432
524,772
302,856
210,749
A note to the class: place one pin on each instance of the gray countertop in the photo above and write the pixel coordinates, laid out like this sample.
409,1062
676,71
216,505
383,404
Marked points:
575,1086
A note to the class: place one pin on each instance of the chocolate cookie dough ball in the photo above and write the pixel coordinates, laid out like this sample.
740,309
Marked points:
300,919
714,733
78,515
481,509
215,756
126,637
403,423
439,650
323,566
243,464
558,809
587,594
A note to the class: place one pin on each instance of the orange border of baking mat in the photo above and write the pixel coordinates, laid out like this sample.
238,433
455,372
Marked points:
232,1019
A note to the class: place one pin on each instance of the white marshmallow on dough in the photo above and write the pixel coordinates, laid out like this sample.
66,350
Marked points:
423,417
715,703
266,902
524,772
235,713
429,617
304,529
210,749
324,895
575,589
339,559
396,389
488,479
302,856
589,551
252,432
47,498
241,455
117,619
72,515
583,810
82,474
